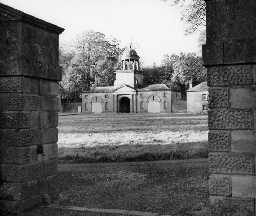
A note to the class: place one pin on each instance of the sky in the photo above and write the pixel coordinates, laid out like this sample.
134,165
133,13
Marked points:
152,26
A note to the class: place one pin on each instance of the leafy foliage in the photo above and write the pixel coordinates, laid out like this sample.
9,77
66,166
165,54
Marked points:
93,63
188,67
194,13
176,71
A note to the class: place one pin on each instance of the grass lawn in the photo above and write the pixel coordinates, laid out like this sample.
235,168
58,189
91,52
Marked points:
170,187
132,137
164,187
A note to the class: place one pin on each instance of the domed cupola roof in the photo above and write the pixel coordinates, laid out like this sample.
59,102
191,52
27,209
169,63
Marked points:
130,54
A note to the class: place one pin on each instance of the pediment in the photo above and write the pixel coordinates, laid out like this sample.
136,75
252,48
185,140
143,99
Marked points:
125,89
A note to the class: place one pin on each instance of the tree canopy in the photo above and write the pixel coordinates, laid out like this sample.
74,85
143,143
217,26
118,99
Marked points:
91,63
193,13
176,71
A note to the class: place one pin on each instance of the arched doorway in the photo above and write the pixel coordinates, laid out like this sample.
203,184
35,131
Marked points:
124,105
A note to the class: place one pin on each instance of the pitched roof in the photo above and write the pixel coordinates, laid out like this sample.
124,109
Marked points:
200,87
11,14
102,89
155,87
106,89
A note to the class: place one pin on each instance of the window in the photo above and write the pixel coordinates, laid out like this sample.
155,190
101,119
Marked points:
204,97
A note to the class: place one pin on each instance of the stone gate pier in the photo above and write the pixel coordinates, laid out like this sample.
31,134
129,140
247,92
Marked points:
230,57
29,71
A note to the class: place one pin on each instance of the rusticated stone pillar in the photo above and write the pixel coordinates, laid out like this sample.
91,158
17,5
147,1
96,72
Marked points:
230,58
29,72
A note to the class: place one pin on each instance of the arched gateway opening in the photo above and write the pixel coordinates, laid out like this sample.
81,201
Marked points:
25,165
124,105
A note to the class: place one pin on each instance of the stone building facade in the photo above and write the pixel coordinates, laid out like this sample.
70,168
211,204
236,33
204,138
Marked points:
197,98
127,94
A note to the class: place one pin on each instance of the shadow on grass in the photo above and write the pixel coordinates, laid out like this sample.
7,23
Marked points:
134,153
165,187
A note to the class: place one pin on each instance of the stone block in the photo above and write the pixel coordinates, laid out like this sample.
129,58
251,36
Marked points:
11,191
235,163
19,85
19,155
220,185
9,47
239,19
226,22
11,84
219,141
230,119
40,53
50,167
30,49
243,98
254,77
49,135
212,32
28,172
15,208
19,138
50,151
48,119
213,53
220,205
239,51
218,98
254,117
31,85
48,87
49,103
230,75
19,102
19,120
25,190
244,186
243,141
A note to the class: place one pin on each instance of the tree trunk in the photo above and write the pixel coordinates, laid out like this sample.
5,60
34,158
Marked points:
183,91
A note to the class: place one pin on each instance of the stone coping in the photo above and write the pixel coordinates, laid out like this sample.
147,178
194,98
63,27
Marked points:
12,14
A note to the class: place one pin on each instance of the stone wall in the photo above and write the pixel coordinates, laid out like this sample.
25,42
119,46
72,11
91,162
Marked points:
164,97
230,57
29,72
106,100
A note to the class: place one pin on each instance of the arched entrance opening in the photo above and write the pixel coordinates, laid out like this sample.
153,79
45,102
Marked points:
124,105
